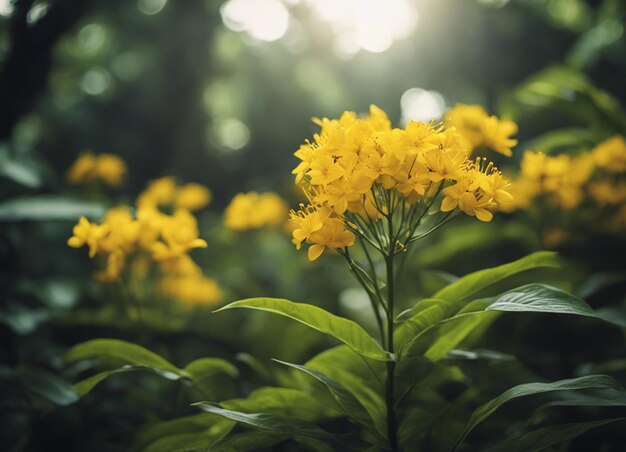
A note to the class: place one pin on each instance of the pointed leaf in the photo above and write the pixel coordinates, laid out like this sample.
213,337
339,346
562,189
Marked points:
436,341
122,350
187,432
466,287
248,441
48,207
345,400
207,367
425,314
47,386
85,386
293,427
543,438
540,298
486,410
285,401
342,329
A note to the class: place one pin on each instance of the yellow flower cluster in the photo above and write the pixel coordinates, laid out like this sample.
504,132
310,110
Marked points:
165,192
191,290
357,171
595,179
89,167
166,239
479,130
561,177
254,210
566,180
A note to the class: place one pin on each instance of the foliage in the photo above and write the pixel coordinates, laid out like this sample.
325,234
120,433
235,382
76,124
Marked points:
454,334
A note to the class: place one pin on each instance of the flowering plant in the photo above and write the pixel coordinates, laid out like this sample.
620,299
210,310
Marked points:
404,387
386,189
147,249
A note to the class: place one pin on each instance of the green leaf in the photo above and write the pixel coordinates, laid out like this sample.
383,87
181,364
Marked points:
543,438
436,341
249,441
172,442
344,358
466,287
605,398
540,298
367,396
203,368
450,334
257,367
85,386
425,314
201,429
480,354
46,207
486,410
47,386
22,171
598,282
344,330
345,400
293,427
125,351
564,139
285,401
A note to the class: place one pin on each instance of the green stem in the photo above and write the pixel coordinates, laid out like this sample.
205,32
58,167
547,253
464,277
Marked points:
373,297
391,365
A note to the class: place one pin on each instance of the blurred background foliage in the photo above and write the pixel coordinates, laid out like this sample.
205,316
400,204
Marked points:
222,93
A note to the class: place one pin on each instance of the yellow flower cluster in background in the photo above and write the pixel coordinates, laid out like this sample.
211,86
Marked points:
151,235
355,171
254,210
165,192
89,167
595,179
478,130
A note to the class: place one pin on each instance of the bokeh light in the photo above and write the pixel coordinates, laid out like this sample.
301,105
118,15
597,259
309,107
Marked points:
151,7
231,134
421,105
370,25
265,20
6,7
95,81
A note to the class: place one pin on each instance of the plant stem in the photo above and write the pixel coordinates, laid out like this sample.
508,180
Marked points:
391,365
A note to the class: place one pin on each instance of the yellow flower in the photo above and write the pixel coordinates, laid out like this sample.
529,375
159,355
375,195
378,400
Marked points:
324,170
523,192
192,197
533,165
191,290
607,192
307,221
124,231
611,154
90,234
320,229
497,135
179,236
115,265
106,168
82,169
478,192
158,193
271,209
356,172
254,210
467,120
110,169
